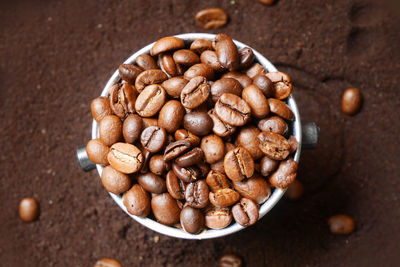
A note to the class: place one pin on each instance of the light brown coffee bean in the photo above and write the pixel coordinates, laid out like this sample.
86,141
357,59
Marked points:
114,181
351,101
195,92
200,45
267,166
97,151
165,209
293,144
224,197
125,158
100,107
230,260
106,262
175,186
171,116
149,77
216,181
227,52
129,72
174,86
192,220
166,44
232,110
238,164
275,146
110,129
168,65
243,79
264,84
196,194
183,134
273,124
137,201
152,183
213,148
255,69
186,57
341,224
285,174
218,218
281,83
132,128
122,99
245,212
254,188
210,58
246,57
150,101
257,101
146,62
211,18
280,108
294,190
220,128
29,209
200,69
247,138
226,85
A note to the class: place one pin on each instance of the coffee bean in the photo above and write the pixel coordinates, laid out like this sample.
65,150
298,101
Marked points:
174,86
273,124
200,45
166,44
199,123
280,108
219,166
285,174
341,224
247,138
204,168
186,174
147,122
137,201
218,218
168,65
125,158
294,190
281,84
200,69
157,165
192,220
226,51
171,116
149,77
211,18
97,151
267,2
146,156
183,134
132,128
196,194
245,212
210,58
175,186
105,262
114,181
275,146
153,138
243,79
293,144
246,57
29,209
220,128
238,164
232,110
186,57
255,69
122,100
100,107
146,62
195,92
224,197
176,149
129,72
152,183
257,101
165,209
216,181
254,188
213,148
226,85
351,101
267,166
110,129
150,101
230,260
190,158
264,84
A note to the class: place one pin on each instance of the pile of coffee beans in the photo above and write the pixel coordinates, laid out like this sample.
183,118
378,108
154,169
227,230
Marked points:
195,134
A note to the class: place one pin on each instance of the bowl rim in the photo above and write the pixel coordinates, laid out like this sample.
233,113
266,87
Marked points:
277,193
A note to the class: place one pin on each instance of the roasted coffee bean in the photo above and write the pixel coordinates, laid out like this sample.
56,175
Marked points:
183,134
257,101
267,166
110,129
294,190
149,77
100,107
195,92
245,212
246,57
275,146
281,83
204,168
255,69
273,124
186,57
230,260
186,174
218,218
224,197
219,166
264,84
175,186
146,62
238,164
166,44
190,158
341,224
176,149
267,2
227,51
232,110
200,69
165,209
293,144
216,181
125,158
171,116
280,108
254,188
210,58
211,18
285,174
243,79
169,66
247,138
213,148
29,209
137,201
150,101
129,72
192,220
114,181
105,262
201,45
97,151
220,128
226,85
157,165
351,101
174,86
152,183
146,156
199,123
147,122
196,194
132,128
122,100
153,138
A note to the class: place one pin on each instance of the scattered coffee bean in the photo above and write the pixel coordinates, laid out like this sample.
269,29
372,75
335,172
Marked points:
294,190
245,212
165,209
351,101
100,107
218,218
199,123
125,158
254,188
285,174
341,224
230,260
211,18
137,201
238,164
105,262
29,209
114,181
192,220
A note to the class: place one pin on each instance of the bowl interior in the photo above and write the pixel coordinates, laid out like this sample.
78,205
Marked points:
295,126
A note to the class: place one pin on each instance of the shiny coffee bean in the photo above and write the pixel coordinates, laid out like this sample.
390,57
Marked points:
125,158
281,84
176,149
285,174
105,262
273,145
213,148
171,116
341,224
166,44
294,190
267,166
218,218
157,165
190,158
175,186
247,138
264,84
97,151
351,101
100,107
220,128
137,201
152,183
192,220
174,86
232,110
254,188
273,124
224,197
147,122
280,108
243,79
246,57
226,51
216,181
110,129
255,69
219,166
210,58
257,101
183,134
230,260
149,77
196,194
150,101
186,174
200,45
200,69
238,164
211,18
122,99
195,92
267,2
153,138
29,209
146,158
225,85
245,212
186,57
146,62
204,168
114,181
165,209
293,144
168,65
129,72
132,128
199,123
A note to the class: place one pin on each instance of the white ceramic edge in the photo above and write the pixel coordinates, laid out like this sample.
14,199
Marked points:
206,234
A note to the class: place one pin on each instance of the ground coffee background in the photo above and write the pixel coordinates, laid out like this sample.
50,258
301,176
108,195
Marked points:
56,56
